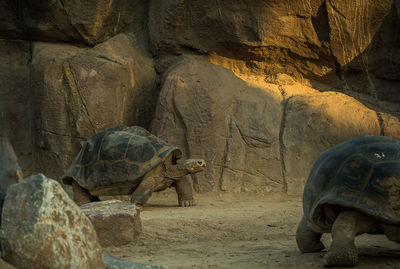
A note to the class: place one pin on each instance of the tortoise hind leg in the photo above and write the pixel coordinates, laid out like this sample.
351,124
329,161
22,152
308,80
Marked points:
347,225
143,192
307,239
81,195
392,232
184,190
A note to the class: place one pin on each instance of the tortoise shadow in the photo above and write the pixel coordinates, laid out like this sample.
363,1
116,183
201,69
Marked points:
157,205
379,254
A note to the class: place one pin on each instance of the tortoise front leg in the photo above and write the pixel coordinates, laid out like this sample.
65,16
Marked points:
307,239
184,190
347,225
81,195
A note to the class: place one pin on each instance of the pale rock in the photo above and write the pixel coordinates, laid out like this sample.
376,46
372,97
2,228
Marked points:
116,223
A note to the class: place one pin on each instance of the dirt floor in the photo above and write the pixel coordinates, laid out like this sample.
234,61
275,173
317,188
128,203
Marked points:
226,230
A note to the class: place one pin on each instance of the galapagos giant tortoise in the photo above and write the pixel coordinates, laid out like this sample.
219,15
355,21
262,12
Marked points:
353,188
129,160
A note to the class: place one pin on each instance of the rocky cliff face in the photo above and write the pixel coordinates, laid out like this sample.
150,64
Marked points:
257,88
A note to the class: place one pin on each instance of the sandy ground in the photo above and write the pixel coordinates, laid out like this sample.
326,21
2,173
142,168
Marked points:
226,230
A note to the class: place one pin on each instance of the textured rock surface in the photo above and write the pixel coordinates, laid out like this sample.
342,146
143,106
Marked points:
256,137
10,171
5,265
341,44
79,92
116,223
112,262
43,228
234,126
90,22
313,123
15,109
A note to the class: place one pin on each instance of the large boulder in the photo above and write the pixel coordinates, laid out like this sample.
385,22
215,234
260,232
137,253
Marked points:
90,22
79,92
258,137
43,228
329,44
210,113
116,223
313,123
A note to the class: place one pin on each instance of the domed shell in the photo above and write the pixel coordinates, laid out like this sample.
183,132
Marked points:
114,160
362,173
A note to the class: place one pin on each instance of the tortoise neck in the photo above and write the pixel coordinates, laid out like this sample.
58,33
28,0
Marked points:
176,171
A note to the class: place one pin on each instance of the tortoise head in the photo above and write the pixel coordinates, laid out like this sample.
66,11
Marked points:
193,166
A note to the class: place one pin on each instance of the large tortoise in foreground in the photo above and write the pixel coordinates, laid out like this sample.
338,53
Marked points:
129,160
353,188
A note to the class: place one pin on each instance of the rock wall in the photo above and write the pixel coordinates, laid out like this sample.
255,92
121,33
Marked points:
327,44
256,137
71,69
257,88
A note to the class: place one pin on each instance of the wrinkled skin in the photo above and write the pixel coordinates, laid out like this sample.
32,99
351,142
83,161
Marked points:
348,224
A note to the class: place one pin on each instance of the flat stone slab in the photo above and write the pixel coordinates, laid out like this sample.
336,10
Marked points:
112,262
116,223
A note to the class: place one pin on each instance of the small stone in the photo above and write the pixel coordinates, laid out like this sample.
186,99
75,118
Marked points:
116,223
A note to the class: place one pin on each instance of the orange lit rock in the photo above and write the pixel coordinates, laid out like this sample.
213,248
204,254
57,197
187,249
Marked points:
256,137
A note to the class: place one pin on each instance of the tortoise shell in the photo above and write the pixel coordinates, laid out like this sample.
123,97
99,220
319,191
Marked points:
115,160
362,173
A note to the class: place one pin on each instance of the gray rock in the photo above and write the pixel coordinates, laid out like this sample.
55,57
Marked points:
315,123
89,22
43,228
116,223
233,126
16,110
10,171
79,92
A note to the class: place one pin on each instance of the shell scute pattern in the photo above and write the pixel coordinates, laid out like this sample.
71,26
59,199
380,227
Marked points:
117,158
362,173
114,146
140,149
91,149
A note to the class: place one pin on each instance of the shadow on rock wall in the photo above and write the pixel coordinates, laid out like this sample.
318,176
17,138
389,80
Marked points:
331,69
351,47
256,136
367,55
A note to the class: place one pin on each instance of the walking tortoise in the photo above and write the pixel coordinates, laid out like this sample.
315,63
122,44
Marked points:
125,160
